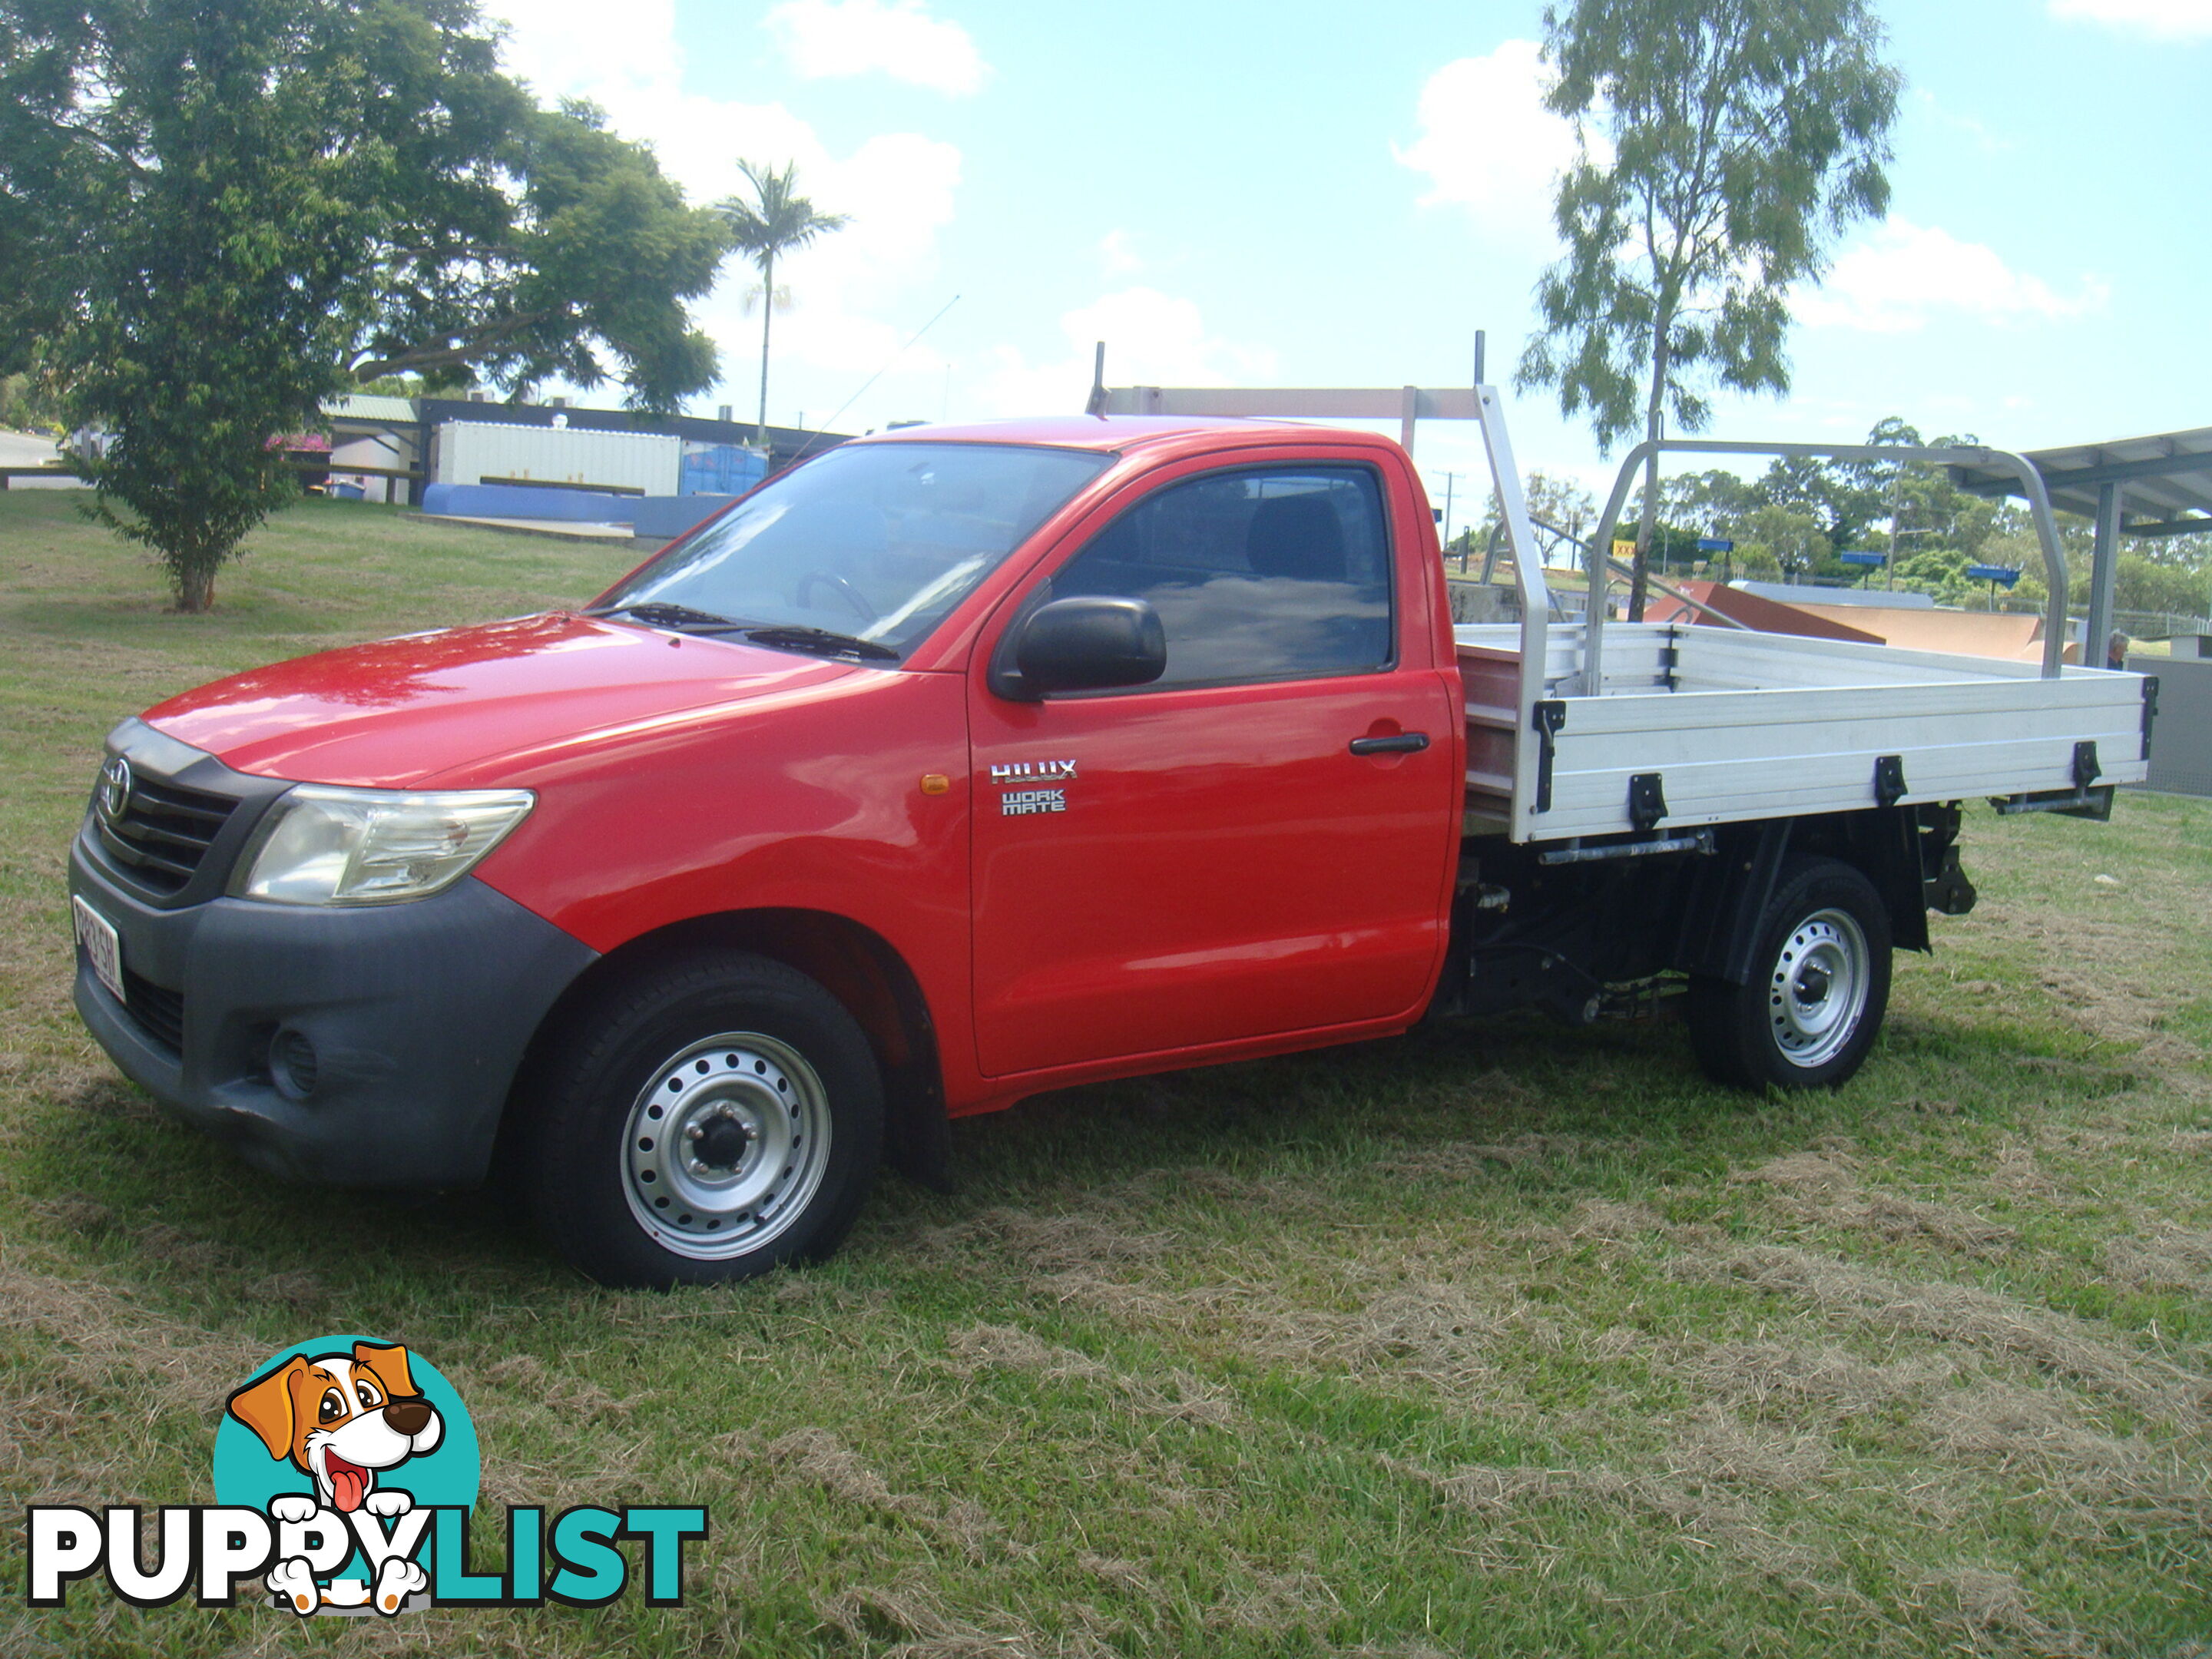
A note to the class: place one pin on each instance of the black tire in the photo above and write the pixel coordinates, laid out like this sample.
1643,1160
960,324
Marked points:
1826,932
716,1116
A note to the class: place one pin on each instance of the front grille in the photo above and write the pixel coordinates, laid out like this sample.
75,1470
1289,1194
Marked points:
164,832
157,1008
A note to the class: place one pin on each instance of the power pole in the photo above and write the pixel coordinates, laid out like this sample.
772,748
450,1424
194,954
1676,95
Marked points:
1450,479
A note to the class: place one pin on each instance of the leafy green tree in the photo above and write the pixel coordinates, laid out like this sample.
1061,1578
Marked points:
1838,494
2176,590
1925,505
219,212
776,221
26,404
1755,561
1740,137
1712,502
1940,572
1791,537
579,272
1561,510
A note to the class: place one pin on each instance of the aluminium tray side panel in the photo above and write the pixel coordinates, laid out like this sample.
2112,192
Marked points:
1761,728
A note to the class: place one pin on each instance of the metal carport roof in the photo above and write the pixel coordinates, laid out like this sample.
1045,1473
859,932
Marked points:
2159,485
2166,480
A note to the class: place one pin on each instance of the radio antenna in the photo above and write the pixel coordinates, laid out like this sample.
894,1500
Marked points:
823,431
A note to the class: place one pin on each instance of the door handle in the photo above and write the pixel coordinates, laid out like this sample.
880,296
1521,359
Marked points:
1403,743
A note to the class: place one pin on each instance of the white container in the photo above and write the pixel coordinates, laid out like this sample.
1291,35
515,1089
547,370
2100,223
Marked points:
483,452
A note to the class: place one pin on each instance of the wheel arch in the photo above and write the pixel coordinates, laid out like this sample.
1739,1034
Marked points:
855,964
1721,916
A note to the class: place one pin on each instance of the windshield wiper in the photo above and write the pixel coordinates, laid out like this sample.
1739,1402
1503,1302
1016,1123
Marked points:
655,614
794,638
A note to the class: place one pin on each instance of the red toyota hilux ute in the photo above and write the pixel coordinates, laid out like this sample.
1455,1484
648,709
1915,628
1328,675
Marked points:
954,765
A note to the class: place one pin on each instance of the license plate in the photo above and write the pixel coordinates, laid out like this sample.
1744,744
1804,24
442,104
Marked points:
102,947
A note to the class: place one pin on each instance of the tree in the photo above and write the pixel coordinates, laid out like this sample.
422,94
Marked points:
2176,590
1712,502
1560,511
1927,505
776,221
1741,136
25,405
1793,537
216,215
580,274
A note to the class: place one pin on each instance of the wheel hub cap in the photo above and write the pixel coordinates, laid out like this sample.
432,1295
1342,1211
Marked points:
718,1143
1817,990
725,1145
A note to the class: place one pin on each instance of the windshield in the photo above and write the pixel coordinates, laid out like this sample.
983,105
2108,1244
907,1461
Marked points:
874,542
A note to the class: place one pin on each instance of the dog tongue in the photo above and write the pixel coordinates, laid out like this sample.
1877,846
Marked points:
348,1483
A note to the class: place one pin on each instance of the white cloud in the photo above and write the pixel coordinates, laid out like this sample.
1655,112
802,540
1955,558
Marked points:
1906,274
856,293
564,48
1119,258
1488,143
1151,339
828,38
1988,143
2167,20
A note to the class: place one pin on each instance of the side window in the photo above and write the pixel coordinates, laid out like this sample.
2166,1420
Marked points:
1272,574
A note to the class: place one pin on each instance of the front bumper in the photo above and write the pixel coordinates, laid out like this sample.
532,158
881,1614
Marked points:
418,1015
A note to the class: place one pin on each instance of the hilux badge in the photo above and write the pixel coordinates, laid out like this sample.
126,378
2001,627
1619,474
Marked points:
1054,771
115,783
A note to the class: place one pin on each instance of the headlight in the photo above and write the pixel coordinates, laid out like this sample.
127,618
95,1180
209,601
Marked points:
320,845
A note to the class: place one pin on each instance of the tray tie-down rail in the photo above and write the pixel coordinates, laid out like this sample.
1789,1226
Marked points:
2084,800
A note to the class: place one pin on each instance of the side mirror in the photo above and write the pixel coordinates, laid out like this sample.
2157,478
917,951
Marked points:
1087,643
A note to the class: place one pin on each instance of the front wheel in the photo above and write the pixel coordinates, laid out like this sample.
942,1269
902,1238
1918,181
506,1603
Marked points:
716,1116
1819,988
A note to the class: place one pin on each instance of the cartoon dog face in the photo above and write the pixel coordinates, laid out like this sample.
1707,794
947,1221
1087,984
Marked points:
341,1417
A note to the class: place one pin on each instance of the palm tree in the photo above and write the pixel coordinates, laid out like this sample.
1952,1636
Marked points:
777,221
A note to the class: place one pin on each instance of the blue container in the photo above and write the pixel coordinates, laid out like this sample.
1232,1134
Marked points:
721,470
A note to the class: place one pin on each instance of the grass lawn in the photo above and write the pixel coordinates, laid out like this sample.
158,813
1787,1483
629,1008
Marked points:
1500,1340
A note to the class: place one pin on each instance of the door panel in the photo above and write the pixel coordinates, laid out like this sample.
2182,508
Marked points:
1217,866
1206,860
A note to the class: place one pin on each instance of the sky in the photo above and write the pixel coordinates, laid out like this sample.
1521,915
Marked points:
1289,192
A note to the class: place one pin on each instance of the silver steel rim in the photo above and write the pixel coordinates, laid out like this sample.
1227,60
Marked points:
725,1145
1817,992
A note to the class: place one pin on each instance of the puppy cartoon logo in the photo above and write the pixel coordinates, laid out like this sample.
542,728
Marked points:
345,1419
345,1483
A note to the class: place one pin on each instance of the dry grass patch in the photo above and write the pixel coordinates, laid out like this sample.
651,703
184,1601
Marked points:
1689,1504
908,1622
1794,1376
818,1457
2171,1259
1992,1605
1825,1188
1094,1234
1966,1315
1174,1393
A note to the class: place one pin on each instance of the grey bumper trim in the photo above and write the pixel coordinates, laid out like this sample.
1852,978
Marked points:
419,1013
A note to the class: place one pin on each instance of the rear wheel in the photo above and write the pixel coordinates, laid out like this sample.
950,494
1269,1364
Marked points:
716,1116
1819,988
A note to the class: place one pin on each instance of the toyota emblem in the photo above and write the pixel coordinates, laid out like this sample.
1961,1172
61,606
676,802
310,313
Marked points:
115,782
